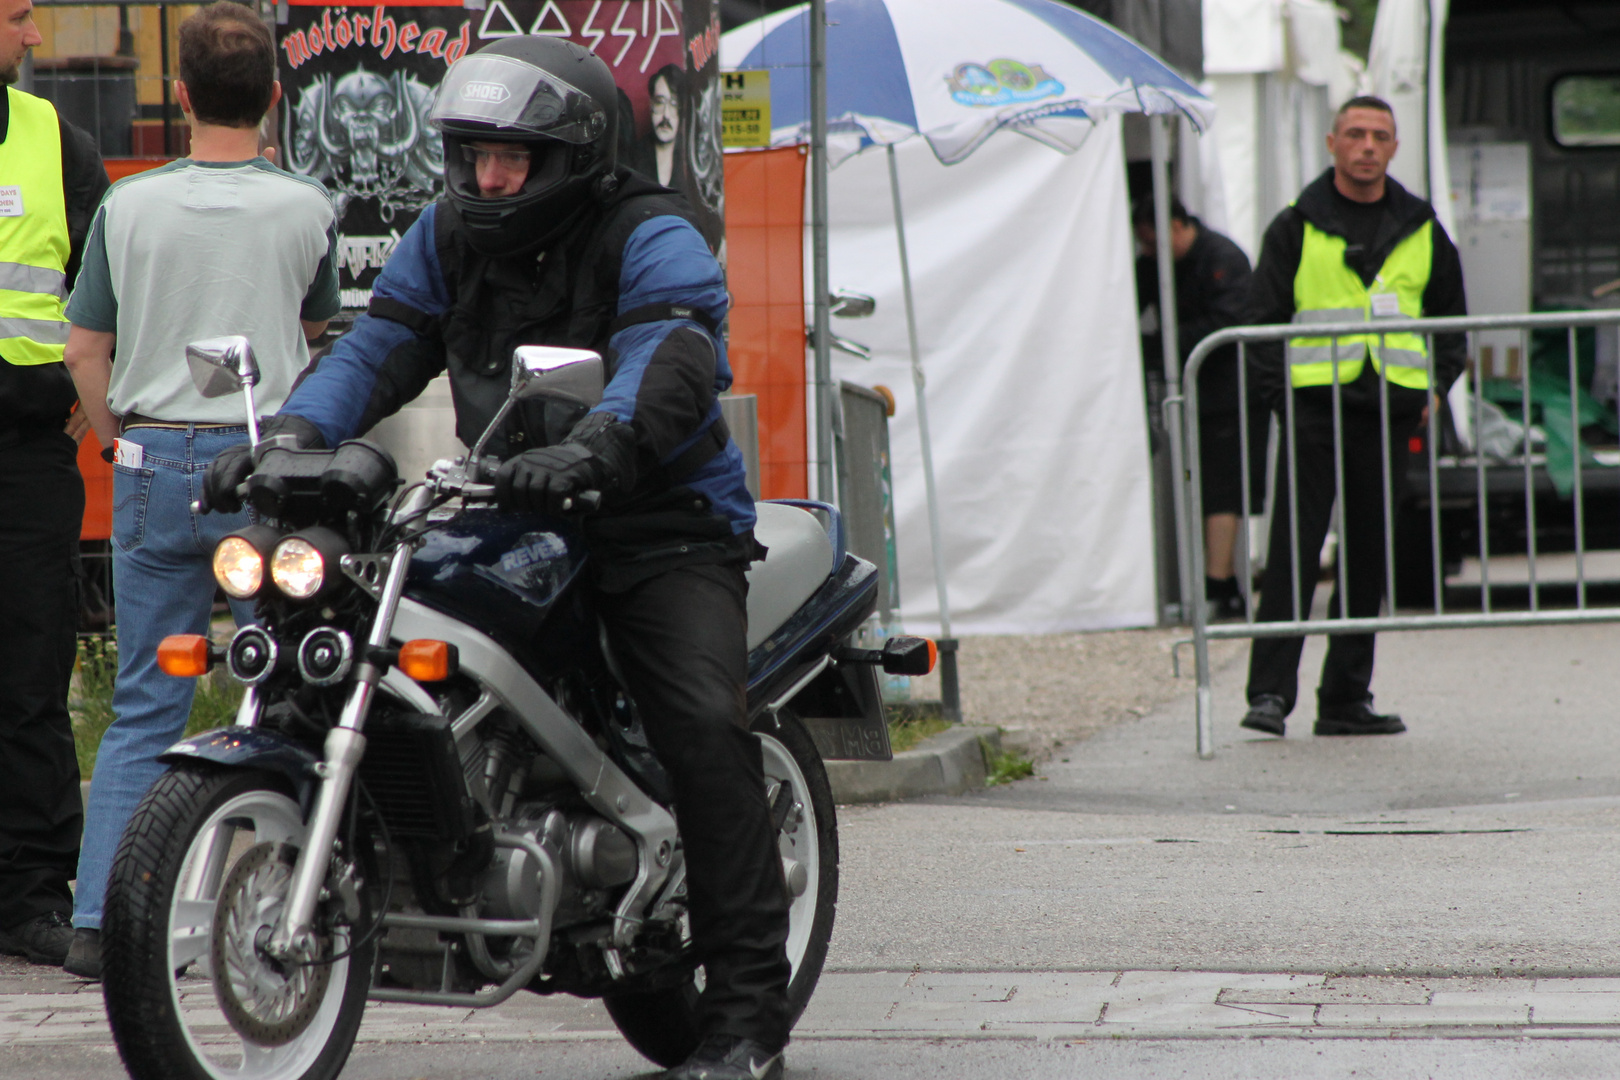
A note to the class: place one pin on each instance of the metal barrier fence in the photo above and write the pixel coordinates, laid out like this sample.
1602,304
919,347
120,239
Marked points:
1487,479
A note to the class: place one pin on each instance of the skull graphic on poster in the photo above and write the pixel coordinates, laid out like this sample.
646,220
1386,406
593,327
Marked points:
366,137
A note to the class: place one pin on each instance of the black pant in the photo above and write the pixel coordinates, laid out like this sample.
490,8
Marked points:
1347,671
681,641
41,814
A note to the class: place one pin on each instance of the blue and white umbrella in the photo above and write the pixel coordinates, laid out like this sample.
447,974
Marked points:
956,72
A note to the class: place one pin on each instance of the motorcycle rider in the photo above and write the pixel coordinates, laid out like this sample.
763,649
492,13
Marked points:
543,238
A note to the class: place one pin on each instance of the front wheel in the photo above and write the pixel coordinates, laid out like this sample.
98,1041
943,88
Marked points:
662,1024
197,884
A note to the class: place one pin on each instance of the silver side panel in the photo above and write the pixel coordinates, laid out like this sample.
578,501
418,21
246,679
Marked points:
605,786
800,560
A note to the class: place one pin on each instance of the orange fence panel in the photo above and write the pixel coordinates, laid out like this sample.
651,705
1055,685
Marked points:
97,524
98,480
765,271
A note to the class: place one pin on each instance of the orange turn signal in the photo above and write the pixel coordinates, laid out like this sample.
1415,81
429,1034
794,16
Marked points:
184,656
909,655
427,661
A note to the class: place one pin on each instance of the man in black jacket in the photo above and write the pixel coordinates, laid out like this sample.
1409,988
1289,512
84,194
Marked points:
1212,289
51,179
1355,246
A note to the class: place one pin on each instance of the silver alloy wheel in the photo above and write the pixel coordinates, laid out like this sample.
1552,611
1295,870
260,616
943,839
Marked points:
254,821
798,844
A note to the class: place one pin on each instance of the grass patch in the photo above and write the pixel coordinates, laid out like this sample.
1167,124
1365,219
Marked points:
90,703
906,731
1003,767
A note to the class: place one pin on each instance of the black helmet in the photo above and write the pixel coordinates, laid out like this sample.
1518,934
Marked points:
551,95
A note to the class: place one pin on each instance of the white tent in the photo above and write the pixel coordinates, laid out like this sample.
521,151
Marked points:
1404,68
1277,73
1027,310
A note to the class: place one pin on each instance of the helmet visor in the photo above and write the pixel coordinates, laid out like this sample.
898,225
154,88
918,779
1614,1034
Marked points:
511,96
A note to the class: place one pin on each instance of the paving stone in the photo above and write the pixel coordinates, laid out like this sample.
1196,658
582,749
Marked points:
1575,1008
1421,1015
1188,1016
1578,986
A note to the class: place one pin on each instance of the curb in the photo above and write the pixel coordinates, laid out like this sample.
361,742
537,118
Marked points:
949,763
945,764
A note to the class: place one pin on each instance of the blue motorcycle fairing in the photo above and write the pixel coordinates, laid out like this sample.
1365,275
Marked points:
835,611
252,748
505,574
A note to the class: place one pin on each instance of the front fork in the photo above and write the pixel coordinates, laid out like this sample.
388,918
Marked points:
293,937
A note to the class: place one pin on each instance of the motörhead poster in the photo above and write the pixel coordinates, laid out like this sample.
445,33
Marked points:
359,81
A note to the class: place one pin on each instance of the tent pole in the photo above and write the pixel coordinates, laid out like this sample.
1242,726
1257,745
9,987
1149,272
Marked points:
821,329
950,689
1171,354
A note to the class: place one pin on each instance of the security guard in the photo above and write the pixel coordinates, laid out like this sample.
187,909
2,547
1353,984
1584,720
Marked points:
51,179
1355,246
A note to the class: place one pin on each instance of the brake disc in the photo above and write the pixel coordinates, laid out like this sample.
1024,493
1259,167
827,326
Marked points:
267,1002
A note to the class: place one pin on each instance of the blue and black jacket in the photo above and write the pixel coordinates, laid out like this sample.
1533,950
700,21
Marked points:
633,280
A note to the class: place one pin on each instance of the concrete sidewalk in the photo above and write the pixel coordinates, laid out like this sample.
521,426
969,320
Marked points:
988,1005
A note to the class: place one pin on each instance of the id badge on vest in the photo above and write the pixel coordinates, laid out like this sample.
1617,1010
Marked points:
1386,305
11,200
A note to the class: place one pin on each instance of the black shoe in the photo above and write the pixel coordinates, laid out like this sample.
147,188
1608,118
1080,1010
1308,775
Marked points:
1356,719
1267,713
44,939
727,1057
84,957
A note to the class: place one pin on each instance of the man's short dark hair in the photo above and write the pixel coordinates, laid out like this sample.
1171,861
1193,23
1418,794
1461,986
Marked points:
1142,213
1363,101
228,63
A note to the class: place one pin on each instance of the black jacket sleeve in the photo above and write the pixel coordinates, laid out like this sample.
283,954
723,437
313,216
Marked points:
1222,290
1271,301
1444,296
84,182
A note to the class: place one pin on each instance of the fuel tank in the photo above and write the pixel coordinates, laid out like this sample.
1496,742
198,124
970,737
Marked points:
512,576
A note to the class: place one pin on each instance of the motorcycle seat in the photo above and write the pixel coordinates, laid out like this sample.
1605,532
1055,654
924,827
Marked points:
800,559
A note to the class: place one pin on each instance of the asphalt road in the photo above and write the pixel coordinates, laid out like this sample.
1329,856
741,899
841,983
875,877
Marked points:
1483,841
1443,900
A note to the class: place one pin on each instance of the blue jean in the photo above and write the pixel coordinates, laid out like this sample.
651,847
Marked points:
163,583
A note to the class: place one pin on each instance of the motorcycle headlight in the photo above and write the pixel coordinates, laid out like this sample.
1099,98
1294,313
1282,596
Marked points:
239,561
297,568
306,563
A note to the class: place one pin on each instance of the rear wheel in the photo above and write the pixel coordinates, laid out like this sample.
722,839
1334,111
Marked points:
197,884
663,1024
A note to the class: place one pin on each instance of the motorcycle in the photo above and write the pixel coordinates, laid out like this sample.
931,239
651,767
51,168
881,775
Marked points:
436,789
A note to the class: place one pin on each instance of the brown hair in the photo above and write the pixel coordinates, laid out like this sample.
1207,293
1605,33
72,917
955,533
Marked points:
1362,101
228,63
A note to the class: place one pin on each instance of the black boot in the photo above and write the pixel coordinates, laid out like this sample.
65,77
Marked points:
1357,718
728,1057
1225,599
1267,713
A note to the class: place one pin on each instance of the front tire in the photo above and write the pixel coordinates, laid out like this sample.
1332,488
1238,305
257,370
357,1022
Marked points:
189,995
663,1024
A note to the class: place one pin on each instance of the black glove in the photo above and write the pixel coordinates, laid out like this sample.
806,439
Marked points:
235,464
598,455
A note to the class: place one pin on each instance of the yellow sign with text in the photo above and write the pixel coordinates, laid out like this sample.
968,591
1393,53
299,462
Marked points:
745,108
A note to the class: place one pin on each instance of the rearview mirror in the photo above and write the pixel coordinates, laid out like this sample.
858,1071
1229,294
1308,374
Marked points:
222,365
545,371
851,305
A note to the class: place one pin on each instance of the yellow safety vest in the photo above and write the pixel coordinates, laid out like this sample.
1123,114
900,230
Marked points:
1326,290
33,234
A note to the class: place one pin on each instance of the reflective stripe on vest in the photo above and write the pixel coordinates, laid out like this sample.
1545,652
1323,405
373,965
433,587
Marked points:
34,242
1326,290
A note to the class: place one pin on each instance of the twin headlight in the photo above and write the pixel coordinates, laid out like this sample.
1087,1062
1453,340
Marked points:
301,566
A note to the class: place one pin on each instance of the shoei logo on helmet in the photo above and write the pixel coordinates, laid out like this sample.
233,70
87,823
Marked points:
492,93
